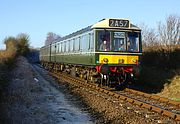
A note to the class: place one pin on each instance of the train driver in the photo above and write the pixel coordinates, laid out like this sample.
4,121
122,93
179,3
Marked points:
104,46
131,44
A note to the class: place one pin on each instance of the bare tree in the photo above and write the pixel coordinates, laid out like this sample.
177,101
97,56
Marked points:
51,37
144,31
149,36
169,33
23,43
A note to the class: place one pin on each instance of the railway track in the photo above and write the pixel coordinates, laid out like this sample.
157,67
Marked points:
154,103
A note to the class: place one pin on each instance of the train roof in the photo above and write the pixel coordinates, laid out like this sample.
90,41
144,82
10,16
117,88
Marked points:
115,23
76,33
104,23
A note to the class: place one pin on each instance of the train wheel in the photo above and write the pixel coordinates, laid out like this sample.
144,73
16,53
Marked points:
122,81
104,80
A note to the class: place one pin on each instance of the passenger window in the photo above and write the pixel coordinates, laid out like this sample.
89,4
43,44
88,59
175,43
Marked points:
59,47
80,43
72,45
76,44
89,41
84,43
63,47
67,46
92,42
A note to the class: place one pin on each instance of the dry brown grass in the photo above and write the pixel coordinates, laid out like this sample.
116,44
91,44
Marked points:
5,55
6,62
161,70
172,90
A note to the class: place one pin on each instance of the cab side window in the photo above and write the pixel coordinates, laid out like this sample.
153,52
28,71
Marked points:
103,40
133,42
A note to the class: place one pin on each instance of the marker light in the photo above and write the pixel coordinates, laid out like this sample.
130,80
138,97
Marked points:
121,61
105,60
135,61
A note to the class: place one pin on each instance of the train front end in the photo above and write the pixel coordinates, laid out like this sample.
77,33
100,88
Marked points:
118,51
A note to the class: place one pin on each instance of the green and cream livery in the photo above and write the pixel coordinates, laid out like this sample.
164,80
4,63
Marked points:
109,48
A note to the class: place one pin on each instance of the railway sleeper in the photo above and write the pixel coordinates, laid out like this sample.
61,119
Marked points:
164,100
174,103
155,97
138,103
130,100
156,109
177,118
169,114
147,106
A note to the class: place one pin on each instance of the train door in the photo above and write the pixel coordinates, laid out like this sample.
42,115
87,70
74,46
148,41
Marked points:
55,52
50,52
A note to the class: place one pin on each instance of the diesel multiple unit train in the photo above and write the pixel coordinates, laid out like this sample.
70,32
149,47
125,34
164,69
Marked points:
107,52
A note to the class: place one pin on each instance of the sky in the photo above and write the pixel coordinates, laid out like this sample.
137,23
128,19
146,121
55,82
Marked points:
38,17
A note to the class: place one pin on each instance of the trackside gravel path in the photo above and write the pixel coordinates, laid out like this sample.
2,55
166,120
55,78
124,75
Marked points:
31,99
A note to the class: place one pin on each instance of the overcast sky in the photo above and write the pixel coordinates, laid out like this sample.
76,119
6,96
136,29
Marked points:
38,17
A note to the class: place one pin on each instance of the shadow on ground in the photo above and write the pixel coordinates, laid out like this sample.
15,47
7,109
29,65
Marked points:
152,80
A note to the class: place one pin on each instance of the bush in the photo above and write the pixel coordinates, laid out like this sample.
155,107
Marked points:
162,58
7,59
